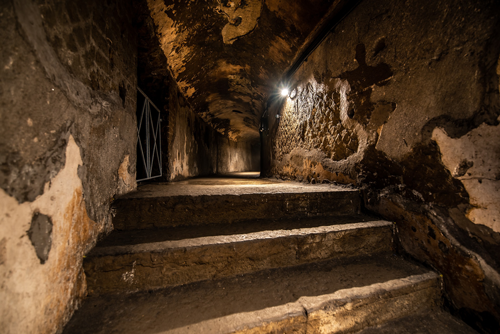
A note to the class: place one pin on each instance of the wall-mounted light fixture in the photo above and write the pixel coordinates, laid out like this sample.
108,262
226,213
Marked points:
284,92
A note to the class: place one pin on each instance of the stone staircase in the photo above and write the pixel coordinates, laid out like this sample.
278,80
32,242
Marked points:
249,256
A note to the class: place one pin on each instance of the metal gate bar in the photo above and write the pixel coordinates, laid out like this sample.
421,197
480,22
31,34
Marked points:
151,135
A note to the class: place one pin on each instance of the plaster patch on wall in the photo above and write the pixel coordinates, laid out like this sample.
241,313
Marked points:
57,286
190,91
479,151
242,17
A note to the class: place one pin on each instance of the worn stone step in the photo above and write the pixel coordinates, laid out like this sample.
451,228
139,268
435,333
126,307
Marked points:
422,323
179,204
131,237
341,295
114,267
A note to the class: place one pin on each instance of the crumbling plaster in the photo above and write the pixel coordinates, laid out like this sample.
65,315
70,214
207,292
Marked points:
67,147
474,159
39,298
242,18
402,100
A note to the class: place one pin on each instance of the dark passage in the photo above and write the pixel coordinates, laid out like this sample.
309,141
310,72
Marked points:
250,166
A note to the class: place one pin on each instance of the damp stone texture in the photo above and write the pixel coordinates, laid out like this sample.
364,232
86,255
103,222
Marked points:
402,100
67,148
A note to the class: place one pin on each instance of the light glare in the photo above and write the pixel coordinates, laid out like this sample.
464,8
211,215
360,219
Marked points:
284,92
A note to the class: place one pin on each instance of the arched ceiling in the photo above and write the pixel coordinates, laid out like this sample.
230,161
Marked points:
228,56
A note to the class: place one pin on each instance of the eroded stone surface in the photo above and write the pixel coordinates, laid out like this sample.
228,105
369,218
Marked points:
263,300
156,265
357,308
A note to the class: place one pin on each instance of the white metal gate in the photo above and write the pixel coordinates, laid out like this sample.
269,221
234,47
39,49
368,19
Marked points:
148,139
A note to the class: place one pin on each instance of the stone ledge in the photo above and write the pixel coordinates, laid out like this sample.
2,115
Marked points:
229,239
172,263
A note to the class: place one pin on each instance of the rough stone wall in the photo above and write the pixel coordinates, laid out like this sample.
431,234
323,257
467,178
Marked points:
192,143
67,147
402,99
240,156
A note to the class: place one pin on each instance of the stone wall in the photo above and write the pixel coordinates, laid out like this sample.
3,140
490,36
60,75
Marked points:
67,147
402,99
192,143
196,149
241,156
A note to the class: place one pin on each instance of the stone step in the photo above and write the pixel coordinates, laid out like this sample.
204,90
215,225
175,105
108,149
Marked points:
171,205
144,260
334,296
422,323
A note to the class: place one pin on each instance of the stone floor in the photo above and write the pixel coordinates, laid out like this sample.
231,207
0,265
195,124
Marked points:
230,184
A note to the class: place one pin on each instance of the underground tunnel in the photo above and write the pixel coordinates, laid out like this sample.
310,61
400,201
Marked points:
250,166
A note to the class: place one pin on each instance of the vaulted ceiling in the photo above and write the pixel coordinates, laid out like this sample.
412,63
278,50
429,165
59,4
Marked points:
228,56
